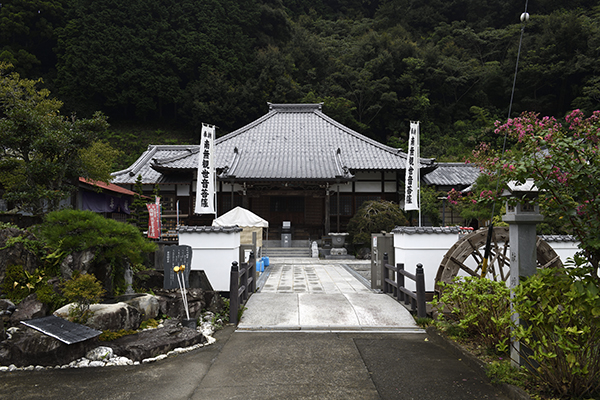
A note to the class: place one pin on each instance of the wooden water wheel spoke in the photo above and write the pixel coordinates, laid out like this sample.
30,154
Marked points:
464,267
504,262
473,245
550,263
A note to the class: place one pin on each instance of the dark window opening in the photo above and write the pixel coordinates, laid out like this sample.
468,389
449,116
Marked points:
293,204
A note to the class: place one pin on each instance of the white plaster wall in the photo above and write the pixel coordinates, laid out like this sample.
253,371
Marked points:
390,187
183,190
213,252
344,188
367,187
429,250
565,250
426,249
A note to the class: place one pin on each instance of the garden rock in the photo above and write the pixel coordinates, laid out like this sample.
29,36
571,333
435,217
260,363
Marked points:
213,302
29,308
112,317
148,344
7,307
78,261
149,279
16,254
146,304
171,303
31,347
101,353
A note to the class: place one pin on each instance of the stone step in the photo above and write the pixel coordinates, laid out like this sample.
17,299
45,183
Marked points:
293,252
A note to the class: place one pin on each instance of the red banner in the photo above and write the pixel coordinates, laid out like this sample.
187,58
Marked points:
153,221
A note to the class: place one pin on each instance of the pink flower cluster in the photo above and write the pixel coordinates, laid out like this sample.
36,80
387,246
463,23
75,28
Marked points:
486,194
560,176
529,125
454,196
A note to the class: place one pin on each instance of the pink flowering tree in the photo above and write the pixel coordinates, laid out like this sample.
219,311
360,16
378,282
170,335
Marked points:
562,157
477,204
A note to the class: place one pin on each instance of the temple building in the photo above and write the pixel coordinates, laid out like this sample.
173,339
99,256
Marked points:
293,164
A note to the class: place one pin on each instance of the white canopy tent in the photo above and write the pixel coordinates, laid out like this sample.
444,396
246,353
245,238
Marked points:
247,220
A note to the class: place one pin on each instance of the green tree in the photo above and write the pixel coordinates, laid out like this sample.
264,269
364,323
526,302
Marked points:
42,153
139,211
114,244
562,159
430,204
373,217
28,34
142,57
477,205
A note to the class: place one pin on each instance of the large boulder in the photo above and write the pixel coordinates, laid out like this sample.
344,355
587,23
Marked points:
7,308
78,261
16,254
31,347
171,303
146,304
29,308
148,280
112,317
147,344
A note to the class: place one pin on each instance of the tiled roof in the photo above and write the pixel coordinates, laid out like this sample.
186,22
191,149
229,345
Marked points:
411,230
209,229
558,238
111,187
453,174
296,141
158,159
290,142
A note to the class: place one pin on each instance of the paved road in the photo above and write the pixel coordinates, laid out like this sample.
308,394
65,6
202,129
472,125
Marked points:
324,363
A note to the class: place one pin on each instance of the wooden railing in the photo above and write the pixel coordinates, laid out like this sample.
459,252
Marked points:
241,285
397,289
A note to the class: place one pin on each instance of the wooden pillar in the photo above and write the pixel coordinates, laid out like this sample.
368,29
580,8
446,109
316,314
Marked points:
327,211
245,199
338,208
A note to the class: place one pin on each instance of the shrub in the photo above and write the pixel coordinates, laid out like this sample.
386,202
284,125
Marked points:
83,290
373,217
562,333
15,285
480,307
19,284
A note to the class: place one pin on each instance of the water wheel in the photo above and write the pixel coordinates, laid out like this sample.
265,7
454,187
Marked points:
467,255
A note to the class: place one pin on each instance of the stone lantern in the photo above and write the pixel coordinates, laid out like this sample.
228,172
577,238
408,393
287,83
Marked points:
522,215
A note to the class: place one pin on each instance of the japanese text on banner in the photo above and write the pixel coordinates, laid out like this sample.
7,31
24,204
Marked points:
205,185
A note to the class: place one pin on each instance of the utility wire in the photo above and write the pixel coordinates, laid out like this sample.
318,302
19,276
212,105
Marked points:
488,242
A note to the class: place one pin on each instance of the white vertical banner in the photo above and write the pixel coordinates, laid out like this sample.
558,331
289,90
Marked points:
205,185
412,181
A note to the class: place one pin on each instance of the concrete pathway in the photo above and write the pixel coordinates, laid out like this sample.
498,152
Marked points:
346,342
313,294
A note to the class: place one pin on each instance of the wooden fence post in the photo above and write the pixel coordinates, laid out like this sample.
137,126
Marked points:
234,300
420,275
253,274
400,281
384,273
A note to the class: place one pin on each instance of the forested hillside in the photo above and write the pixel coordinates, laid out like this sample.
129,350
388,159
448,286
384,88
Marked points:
375,64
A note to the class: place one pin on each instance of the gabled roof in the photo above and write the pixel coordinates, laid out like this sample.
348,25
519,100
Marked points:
179,160
453,174
298,141
292,142
111,187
